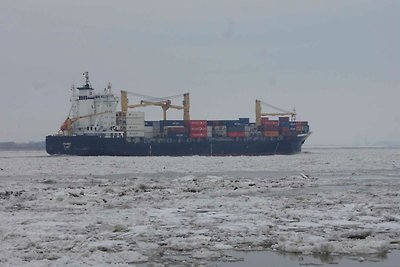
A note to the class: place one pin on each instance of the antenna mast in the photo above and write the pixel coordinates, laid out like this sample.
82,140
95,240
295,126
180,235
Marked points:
87,82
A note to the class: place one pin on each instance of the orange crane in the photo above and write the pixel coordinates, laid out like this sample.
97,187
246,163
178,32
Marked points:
66,126
282,112
163,102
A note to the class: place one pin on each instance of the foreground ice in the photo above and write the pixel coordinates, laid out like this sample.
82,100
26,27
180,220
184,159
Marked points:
105,211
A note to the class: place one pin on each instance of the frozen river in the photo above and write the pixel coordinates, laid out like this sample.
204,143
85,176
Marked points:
102,211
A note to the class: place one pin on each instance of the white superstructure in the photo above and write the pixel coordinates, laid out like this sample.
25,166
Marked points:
93,112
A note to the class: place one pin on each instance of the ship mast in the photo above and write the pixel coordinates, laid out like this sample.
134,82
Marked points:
87,82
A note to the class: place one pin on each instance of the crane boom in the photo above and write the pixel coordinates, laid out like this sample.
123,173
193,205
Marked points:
163,102
67,124
282,112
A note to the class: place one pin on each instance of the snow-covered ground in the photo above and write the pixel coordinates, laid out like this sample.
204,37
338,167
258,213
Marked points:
123,210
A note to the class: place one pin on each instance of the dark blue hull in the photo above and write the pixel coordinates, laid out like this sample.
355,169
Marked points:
98,146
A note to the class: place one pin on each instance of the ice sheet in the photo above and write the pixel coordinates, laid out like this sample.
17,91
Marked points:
106,211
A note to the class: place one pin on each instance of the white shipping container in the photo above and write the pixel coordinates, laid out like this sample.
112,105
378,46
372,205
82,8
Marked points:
209,131
148,135
135,128
135,118
134,134
134,122
148,129
135,115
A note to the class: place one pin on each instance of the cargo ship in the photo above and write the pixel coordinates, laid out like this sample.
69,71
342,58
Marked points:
94,127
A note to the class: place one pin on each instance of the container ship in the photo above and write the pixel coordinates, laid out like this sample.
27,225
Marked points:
94,127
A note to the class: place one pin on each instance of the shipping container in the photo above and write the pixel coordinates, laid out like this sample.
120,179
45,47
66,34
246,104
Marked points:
198,134
219,131
148,135
270,122
236,134
239,128
271,133
176,129
134,134
213,123
230,123
301,123
135,128
148,129
177,135
244,120
209,131
198,129
135,115
134,123
196,123
171,123
270,127
284,119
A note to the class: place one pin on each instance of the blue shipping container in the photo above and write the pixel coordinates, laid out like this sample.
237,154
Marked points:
171,123
244,120
235,129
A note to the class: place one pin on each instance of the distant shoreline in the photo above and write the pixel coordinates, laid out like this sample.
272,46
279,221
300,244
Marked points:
12,146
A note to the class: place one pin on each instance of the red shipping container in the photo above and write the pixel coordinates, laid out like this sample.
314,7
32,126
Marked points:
198,129
198,135
197,123
271,133
236,134
263,120
270,122
177,129
284,119
270,127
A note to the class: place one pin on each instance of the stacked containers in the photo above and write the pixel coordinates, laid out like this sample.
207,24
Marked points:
270,128
305,128
244,120
165,123
135,124
176,132
292,128
121,120
236,131
247,130
156,129
302,127
148,129
284,126
253,130
197,128
209,131
219,131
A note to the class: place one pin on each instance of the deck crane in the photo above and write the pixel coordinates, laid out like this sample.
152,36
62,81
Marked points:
163,102
281,112
67,124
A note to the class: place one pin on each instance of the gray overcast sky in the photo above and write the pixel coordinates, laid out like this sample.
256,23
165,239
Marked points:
337,62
